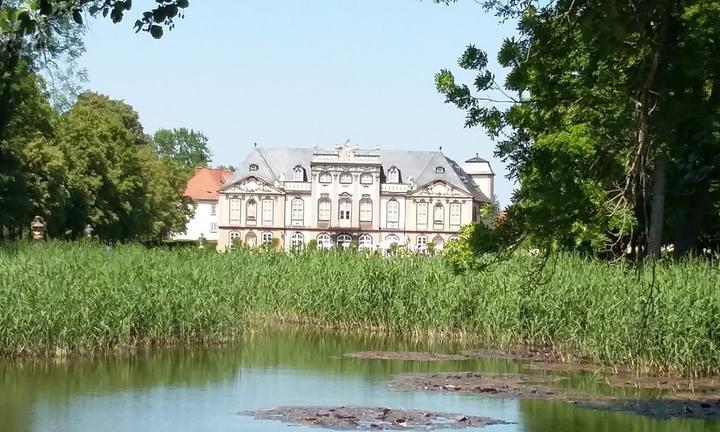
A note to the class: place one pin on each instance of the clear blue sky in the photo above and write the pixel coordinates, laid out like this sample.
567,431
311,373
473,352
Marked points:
300,73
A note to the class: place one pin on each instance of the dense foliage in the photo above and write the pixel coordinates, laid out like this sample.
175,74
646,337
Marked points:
187,147
83,297
608,119
91,166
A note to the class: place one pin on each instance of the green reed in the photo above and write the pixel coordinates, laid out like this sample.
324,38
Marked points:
77,297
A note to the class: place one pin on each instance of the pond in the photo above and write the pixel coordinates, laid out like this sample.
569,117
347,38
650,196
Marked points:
208,388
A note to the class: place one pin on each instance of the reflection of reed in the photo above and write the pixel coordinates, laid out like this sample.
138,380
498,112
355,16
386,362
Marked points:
319,352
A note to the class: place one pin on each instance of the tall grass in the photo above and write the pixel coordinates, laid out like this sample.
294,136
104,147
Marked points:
80,297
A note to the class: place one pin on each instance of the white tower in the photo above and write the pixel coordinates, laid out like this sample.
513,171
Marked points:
482,175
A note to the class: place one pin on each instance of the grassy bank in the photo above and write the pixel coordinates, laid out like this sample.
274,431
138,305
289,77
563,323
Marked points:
72,297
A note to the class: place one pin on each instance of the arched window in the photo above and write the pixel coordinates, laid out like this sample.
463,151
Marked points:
393,213
438,214
453,238
234,210
324,209
266,238
325,177
297,241
421,243
299,173
344,240
392,239
366,179
393,175
324,241
439,170
365,242
251,212
251,239
267,211
345,178
234,236
345,211
421,214
297,212
366,210
253,167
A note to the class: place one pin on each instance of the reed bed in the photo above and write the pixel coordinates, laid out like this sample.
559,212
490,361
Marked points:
59,298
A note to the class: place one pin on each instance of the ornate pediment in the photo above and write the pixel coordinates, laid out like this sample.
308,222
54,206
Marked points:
439,189
251,185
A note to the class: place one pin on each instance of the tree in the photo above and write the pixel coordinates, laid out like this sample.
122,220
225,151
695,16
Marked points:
597,105
37,31
185,146
31,166
116,182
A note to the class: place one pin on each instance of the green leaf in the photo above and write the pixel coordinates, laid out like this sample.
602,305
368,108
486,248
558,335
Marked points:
77,17
156,31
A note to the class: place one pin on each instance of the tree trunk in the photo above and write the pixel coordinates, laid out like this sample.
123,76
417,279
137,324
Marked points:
657,209
687,237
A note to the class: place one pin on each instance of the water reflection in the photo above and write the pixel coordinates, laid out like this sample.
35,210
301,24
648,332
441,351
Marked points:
204,388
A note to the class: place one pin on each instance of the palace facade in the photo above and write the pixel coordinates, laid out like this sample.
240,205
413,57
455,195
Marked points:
346,195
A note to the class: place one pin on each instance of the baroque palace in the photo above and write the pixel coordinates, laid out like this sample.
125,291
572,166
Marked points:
346,195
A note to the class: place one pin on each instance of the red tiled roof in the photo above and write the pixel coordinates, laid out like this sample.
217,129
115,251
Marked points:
205,183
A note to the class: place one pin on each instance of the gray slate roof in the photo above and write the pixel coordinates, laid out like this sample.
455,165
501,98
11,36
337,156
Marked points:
278,164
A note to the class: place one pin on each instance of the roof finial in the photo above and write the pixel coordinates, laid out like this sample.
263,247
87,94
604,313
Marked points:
440,148
477,154
347,141
255,144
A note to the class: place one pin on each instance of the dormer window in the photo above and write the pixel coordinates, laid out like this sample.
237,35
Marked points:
439,170
346,178
325,177
253,167
393,175
298,173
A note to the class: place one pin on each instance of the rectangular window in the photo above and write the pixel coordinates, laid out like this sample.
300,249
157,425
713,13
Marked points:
234,210
422,214
455,209
324,207
345,211
267,211
213,209
297,211
366,211
213,227
393,214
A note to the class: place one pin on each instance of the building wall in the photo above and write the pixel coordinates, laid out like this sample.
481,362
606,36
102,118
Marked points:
203,222
485,183
283,227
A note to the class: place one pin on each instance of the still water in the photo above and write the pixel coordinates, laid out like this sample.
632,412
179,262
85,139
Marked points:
204,389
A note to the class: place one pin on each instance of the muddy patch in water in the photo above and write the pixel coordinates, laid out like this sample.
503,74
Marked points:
409,356
626,378
541,355
365,418
498,385
521,386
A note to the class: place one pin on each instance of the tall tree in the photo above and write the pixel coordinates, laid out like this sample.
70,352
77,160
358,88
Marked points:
31,166
185,146
116,182
591,115
37,30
